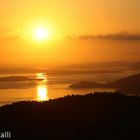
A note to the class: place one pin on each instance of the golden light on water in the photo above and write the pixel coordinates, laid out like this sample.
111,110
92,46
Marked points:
42,93
41,76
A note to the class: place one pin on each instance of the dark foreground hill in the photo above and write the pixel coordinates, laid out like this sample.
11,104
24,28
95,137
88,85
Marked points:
130,84
93,116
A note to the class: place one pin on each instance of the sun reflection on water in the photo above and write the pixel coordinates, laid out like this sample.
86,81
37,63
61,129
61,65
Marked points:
42,76
42,91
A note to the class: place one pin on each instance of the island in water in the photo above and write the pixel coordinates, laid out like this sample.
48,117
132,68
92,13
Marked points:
130,84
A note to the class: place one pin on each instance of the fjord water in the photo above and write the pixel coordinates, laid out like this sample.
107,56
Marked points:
51,86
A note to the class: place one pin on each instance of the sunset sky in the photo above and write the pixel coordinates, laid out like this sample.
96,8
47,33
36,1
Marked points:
49,32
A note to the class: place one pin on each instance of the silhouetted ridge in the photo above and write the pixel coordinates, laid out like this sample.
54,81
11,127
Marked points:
92,116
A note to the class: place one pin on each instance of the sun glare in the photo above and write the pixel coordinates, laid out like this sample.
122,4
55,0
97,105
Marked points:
41,34
40,31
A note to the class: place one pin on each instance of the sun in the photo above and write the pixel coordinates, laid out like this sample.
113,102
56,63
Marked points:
41,34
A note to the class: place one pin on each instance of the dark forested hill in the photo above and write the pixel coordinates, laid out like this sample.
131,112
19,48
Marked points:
93,116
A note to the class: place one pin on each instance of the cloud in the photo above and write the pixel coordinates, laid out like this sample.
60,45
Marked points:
10,33
117,36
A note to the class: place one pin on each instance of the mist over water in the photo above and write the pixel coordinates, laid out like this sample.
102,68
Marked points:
53,85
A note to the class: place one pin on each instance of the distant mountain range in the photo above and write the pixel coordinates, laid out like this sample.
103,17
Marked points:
17,82
135,66
100,67
96,65
129,84
17,79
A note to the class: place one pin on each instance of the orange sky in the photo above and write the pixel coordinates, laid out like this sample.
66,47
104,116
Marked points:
74,16
68,18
